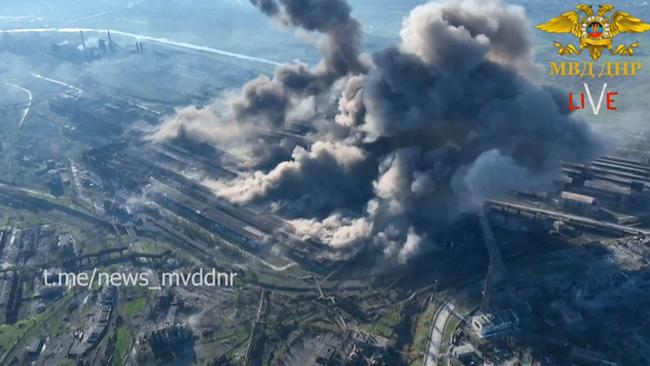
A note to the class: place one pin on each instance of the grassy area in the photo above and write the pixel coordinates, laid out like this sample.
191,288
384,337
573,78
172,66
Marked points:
384,327
422,328
123,345
448,333
151,247
5,221
134,308
135,303
12,335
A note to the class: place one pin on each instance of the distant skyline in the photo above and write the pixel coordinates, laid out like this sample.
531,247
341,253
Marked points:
236,26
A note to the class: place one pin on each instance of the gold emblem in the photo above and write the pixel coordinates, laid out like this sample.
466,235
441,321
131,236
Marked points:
595,32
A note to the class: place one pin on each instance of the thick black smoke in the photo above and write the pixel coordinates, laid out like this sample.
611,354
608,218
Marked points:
436,125
342,43
340,47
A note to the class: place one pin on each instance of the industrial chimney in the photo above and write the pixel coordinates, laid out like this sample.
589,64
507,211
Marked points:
83,40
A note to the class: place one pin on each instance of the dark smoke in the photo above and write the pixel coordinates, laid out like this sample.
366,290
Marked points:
341,46
292,95
436,125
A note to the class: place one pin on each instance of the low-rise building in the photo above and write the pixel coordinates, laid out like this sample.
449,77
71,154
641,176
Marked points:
487,325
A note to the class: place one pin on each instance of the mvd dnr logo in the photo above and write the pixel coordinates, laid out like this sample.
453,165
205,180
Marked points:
595,33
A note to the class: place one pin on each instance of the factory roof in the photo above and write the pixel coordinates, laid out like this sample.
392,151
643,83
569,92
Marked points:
569,196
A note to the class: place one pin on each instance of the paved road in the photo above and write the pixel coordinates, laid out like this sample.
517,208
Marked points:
29,105
437,330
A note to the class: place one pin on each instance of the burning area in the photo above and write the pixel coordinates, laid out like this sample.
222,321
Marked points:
400,143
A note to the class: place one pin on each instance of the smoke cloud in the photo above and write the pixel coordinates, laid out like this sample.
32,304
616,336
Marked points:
404,143
295,91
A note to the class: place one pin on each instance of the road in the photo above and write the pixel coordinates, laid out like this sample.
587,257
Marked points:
437,330
59,82
29,106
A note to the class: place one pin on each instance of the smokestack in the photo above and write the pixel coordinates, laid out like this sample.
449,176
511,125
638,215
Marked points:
110,41
141,50
137,47
102,45
83,41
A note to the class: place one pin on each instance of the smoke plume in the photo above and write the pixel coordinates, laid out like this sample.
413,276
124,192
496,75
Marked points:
403,143
294,92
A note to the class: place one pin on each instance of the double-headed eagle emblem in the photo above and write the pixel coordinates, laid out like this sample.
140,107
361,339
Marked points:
595,32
